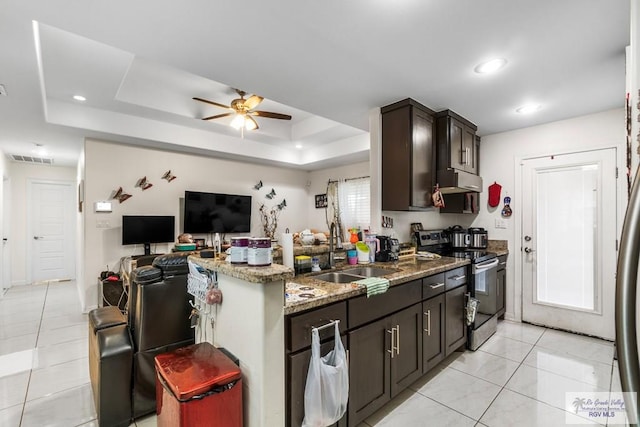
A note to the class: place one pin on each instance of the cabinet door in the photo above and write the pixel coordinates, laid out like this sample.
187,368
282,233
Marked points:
456,134
469,150
422,159
396,159
369,369
298,367
432,332
500,289
455,325
406,360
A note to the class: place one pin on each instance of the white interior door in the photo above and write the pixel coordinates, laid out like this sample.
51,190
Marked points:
52,207
569,241
5,260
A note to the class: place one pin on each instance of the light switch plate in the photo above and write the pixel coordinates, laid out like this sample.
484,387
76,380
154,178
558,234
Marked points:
500,223
102,206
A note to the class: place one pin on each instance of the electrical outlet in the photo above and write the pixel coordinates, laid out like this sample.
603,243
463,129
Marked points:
500,223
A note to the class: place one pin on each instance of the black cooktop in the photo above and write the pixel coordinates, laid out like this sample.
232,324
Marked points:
474,255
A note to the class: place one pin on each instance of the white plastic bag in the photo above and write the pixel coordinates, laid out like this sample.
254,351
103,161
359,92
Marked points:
327,390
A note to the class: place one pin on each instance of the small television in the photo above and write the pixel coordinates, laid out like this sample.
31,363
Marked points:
147,229
216,213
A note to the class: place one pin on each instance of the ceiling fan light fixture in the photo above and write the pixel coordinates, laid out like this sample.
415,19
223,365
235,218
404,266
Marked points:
238,122
491,66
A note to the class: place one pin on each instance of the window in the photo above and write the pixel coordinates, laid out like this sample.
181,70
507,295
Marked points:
354,202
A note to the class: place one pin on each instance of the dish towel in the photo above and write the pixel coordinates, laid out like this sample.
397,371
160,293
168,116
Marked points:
375,285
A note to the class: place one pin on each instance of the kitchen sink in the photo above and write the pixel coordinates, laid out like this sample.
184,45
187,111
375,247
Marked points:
336,277
369,271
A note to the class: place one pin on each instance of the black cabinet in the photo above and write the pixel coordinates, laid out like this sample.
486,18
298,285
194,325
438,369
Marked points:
455,326
456,142
298,367
408,156
501,285
433,346
385,357
369,369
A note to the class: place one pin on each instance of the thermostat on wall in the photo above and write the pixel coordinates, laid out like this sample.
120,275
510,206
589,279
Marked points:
102,206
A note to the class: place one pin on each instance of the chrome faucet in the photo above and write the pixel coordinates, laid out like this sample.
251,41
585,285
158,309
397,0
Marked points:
332,235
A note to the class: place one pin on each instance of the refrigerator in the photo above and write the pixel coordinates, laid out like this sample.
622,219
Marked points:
626,317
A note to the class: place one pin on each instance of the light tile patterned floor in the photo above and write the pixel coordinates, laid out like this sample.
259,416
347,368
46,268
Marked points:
517,378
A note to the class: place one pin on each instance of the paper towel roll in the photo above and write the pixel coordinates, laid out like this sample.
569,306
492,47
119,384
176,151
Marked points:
287,249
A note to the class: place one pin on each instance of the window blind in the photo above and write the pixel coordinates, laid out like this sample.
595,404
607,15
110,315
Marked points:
354,203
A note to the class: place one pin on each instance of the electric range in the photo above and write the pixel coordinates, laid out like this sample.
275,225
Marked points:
482,284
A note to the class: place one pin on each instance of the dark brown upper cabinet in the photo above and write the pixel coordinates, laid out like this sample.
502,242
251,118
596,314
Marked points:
408,156
456,142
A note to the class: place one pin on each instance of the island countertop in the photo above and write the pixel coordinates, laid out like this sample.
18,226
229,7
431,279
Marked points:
327,292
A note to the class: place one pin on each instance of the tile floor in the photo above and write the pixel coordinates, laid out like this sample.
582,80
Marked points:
517,378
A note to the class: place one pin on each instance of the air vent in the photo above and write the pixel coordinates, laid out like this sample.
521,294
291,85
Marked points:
31,159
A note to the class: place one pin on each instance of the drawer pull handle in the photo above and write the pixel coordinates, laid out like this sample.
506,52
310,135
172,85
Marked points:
503,263
393,336
458,278
428,329
436,286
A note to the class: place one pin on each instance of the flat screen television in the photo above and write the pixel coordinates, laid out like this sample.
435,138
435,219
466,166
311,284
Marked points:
216,213
147,229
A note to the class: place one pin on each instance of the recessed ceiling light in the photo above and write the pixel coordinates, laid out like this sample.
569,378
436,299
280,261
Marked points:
490,66
79,98
298,146
39,150
528,109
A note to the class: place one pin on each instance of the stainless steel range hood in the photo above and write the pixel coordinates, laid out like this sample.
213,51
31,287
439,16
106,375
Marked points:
456,181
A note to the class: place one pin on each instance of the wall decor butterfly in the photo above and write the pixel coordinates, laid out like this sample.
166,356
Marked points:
168,176
119,195
143,183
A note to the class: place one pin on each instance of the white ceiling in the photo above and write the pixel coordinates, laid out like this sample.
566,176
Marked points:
326,63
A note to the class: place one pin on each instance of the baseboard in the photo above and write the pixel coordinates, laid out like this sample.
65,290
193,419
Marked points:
19,283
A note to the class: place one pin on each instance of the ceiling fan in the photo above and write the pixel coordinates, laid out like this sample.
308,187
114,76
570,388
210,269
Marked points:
243,109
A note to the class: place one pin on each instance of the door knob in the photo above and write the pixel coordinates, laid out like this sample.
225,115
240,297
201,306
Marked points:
37,237
527,238
529,250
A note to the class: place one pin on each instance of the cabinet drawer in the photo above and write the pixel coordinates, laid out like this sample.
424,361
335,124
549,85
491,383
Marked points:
455,278
502,262
432,286
299,326
363,310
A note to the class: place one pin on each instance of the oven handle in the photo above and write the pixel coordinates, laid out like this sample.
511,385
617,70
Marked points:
486,265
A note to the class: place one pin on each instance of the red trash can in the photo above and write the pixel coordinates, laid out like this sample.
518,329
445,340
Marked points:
198,385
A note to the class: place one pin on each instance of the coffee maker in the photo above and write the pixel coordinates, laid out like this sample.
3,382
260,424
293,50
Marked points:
388,250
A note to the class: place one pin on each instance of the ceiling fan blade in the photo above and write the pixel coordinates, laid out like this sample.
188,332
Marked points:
206,101
253,101
270,115
254,122
217,116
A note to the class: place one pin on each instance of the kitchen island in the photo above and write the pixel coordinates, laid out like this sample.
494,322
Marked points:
251,321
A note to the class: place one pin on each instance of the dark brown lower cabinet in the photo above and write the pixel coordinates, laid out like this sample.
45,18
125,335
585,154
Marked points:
432,332
455,326
298,368
384,358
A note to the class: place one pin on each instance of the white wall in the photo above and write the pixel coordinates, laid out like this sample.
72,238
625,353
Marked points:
21,174
109,166
500,152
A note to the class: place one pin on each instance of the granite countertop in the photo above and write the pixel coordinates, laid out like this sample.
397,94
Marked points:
326,292
499,247
317,293
271,273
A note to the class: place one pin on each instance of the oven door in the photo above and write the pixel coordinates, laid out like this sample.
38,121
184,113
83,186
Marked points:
485,282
